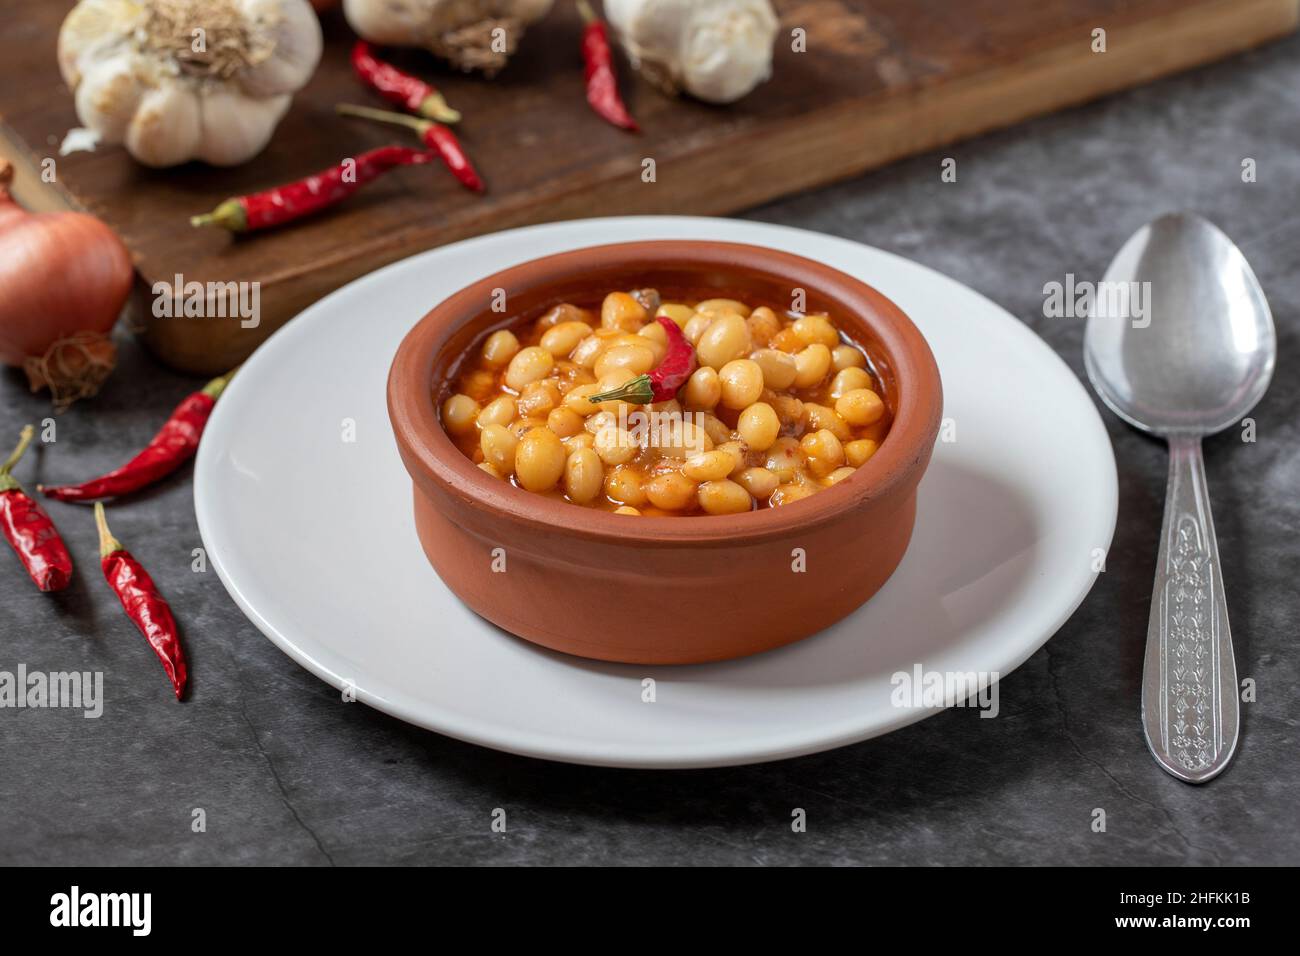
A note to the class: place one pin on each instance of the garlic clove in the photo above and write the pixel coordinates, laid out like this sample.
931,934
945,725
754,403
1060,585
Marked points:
650,25
108,97
650,31
400,23
92,26
297,50
165,128
234,127
724,58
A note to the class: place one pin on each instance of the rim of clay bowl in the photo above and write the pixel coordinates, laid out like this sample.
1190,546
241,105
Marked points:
892,341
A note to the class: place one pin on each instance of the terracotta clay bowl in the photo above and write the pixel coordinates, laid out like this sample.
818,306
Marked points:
663,590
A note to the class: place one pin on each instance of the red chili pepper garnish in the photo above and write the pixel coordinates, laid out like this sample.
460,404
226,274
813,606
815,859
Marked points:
433,135
662,383
306,196
29,529
398,86
602,84
142,602
175,443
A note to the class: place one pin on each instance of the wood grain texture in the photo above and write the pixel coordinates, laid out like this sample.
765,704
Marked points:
881,79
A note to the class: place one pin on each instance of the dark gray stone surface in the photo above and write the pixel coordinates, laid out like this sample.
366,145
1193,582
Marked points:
287,775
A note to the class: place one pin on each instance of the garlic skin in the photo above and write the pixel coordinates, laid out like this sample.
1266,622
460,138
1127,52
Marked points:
456,30
715,50
138,80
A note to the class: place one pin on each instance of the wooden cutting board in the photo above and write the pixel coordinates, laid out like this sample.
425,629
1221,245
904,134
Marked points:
880,79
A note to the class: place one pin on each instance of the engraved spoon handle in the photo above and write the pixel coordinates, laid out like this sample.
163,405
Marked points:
1190,709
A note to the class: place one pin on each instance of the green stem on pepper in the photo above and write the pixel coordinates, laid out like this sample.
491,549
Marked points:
661,384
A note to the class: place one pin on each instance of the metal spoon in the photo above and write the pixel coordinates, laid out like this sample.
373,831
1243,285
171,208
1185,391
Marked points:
1187,355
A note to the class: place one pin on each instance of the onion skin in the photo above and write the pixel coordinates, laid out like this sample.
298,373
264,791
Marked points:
10,211
62,274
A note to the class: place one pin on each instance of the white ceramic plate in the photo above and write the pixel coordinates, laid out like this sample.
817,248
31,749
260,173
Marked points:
312,535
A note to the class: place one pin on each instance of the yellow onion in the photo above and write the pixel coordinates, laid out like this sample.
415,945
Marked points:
64,277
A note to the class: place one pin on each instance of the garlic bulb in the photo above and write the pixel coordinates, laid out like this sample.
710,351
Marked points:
176,80
471,34
716,50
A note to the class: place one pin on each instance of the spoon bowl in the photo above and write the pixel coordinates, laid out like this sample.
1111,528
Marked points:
1202,353
1180,343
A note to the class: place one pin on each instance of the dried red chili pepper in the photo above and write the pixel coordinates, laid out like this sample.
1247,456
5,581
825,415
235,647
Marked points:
306,196
171,447
433,135
662,383
602,84
29,529
398,86
147,608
